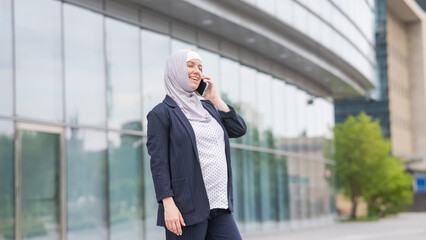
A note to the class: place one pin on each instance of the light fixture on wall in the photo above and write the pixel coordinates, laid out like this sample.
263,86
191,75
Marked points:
283,55
308,69
207,22
250,40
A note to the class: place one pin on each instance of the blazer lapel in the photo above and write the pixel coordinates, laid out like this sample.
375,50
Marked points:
182,118
188,127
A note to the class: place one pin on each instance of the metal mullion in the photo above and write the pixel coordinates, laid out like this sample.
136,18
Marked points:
17,177
63,170
63,187
107,187
143,202
17,182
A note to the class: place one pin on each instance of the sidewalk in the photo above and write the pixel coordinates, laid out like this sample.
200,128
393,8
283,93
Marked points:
405,226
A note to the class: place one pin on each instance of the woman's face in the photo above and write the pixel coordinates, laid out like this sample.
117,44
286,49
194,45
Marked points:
195,69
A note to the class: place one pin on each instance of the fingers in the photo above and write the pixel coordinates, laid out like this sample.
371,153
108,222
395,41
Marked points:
174,226
181,220
178,228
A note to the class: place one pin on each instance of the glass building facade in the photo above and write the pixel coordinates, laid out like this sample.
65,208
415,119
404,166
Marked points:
344,27
377,104
77,81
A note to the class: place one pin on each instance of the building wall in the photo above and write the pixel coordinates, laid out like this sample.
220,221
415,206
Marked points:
399,85
418,89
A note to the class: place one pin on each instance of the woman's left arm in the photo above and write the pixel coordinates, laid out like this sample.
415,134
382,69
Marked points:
234,123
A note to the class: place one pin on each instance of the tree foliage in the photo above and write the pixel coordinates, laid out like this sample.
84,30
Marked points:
365,168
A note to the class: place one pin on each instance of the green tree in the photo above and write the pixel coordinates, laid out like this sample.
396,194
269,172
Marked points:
394,191
365,169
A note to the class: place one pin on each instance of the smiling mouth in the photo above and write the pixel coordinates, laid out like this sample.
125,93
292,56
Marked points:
194,78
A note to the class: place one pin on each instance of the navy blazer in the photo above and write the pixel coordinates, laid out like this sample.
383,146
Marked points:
175,165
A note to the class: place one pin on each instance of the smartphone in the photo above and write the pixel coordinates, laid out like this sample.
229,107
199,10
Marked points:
202,88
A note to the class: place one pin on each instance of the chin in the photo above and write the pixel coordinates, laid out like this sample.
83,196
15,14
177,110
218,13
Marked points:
194,86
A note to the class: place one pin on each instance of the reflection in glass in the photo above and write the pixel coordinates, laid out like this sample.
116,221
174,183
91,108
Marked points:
268,204
290,108
87,183
264,108
84,66
38,59
6,89
229,81
125,186
280,114
40,167
7,215
250,186
248,104
238,185
250,166
151,204
124,101
153,91
283,193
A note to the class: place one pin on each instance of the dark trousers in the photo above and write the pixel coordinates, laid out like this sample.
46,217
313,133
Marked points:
219,226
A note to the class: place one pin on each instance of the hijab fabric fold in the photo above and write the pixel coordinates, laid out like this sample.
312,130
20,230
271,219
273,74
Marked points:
177,85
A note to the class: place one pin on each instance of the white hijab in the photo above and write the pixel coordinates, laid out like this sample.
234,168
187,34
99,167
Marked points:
177,85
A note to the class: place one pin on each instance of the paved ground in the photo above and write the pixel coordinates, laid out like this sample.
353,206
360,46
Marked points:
405,226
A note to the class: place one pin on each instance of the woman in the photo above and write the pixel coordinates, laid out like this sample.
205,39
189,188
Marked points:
188,141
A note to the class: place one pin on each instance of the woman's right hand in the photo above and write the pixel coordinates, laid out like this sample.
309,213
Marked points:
172,216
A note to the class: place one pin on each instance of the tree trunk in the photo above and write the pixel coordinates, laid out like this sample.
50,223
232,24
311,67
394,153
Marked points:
354,206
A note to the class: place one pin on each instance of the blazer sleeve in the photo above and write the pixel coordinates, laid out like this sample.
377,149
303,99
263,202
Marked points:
158,149
233,122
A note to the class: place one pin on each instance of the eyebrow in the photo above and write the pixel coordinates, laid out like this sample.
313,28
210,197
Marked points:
194,63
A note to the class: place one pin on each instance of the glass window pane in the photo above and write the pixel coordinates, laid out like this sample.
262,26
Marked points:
40,167
248,104
250,187
38,59
153,91
211,62
7,215
178,44
290,102
264,108
285,11
283,189
300,15
151,205
6,89
125,186
278,104
124,99
267,5
229,81
84,66
238,185
87,183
